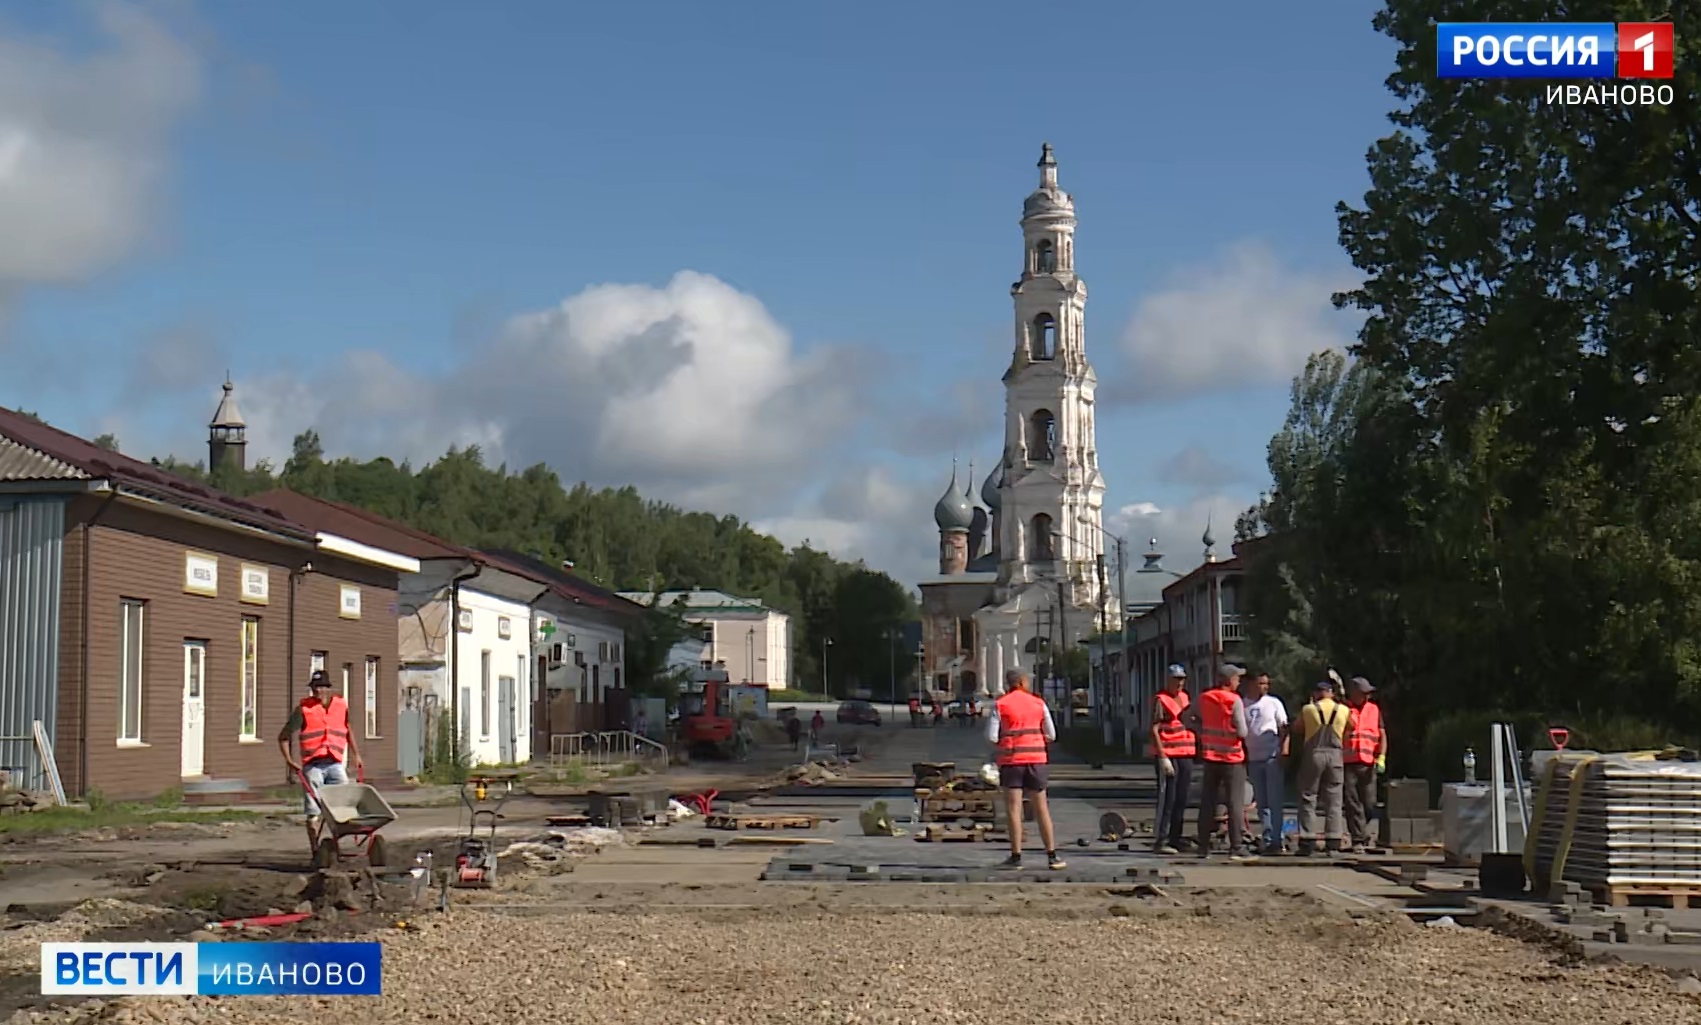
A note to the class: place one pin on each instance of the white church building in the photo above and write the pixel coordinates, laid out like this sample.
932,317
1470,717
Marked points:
1020,564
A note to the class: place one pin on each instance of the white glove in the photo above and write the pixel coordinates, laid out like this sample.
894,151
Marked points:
1167,765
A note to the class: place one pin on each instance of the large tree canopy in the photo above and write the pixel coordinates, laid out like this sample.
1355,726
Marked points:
617,539
1499,503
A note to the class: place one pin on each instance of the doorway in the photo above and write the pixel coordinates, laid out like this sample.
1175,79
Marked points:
194,708
506,741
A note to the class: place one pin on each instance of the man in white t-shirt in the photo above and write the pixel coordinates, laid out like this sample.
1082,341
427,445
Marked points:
1266,746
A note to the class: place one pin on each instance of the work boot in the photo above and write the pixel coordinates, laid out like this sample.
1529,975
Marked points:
1167,849
1013,861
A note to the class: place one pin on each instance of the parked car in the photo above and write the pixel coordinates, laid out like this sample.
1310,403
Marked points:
859,713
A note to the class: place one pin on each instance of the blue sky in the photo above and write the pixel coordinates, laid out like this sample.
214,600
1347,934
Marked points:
348,205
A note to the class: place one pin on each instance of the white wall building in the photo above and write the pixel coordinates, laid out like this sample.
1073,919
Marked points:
754,641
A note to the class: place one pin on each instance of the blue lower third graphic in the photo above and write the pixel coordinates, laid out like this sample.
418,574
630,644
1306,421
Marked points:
212,969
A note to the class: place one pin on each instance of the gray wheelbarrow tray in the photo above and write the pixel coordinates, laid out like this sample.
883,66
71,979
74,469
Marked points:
346,810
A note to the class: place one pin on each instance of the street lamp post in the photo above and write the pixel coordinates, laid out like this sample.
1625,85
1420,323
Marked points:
892,655
826,642
750,656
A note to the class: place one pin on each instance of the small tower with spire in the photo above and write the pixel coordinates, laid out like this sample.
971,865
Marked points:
955,515
227,435
1210,541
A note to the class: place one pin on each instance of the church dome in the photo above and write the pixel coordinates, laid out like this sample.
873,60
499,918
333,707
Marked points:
989,489
1047,201
953,511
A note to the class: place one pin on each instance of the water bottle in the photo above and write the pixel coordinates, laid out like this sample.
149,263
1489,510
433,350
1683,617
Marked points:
1470,766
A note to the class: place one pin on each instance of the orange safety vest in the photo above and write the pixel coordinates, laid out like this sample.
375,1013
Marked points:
1021,729
324,729
1216,727
1175,740
1364,732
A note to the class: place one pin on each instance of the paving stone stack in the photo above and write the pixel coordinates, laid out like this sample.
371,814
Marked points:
1638,824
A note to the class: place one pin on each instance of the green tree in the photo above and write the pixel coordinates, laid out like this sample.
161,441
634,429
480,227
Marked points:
108,442
1498,504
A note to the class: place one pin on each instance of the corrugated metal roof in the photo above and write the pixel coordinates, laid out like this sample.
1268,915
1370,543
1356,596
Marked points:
90,462
20,462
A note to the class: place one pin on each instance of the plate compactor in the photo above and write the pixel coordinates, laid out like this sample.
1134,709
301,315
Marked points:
475,861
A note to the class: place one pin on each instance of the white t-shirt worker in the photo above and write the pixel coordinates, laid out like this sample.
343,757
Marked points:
1266,717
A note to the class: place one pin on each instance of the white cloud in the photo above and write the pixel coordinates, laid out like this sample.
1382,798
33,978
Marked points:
868,513
84,145
692,392
1247,320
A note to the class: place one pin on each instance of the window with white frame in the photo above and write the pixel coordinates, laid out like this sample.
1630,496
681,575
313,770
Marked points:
484,695
130,617
250,678
371,708
348,671
316,661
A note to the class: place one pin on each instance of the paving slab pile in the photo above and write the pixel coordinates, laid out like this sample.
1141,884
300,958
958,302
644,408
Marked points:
1618,822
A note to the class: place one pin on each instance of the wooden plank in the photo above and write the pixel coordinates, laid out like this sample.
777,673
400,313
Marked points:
787,841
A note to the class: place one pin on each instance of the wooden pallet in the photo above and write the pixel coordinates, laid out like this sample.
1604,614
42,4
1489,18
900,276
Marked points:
951,808
727,821
1677,898
944,834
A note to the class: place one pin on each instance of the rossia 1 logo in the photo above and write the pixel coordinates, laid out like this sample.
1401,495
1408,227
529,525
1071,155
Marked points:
1637,54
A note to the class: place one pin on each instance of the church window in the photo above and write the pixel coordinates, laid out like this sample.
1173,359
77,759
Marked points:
1040,548
1042,436
1042,340
1045,257
965,635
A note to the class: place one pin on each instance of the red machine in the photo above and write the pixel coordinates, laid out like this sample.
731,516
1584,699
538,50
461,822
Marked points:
706,721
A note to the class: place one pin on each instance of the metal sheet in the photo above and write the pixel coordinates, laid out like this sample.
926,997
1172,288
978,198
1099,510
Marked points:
32,538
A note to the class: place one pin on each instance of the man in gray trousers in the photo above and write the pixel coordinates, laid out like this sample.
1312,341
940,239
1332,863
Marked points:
1322,724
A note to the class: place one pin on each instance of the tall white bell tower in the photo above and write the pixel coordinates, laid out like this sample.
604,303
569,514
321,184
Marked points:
1051,501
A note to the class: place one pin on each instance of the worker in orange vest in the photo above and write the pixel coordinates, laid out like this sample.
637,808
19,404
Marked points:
320,725
1222,747
1020,727
1365,752
1175,747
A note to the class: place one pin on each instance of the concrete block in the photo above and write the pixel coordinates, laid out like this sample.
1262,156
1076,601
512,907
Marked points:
1400,831
1408,798
1423,831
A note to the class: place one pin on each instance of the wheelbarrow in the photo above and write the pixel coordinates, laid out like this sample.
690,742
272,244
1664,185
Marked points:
351,812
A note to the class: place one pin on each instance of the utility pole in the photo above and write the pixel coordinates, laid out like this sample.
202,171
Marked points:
1057,650
1122,676
1103,688
826,642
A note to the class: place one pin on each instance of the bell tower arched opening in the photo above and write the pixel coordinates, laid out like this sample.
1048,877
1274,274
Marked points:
1042,337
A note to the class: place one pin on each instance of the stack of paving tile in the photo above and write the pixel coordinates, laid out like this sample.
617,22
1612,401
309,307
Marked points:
1637,823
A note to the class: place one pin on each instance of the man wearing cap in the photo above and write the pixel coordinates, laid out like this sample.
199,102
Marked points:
1366,749
1322,726
1222,747
320,725
1174,746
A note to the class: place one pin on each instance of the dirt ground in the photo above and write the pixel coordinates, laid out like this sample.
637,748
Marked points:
869,954
589,924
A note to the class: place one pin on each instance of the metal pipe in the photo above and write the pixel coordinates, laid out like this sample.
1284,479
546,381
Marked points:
83,686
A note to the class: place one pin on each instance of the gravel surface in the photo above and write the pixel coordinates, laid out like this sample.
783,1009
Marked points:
1143,962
